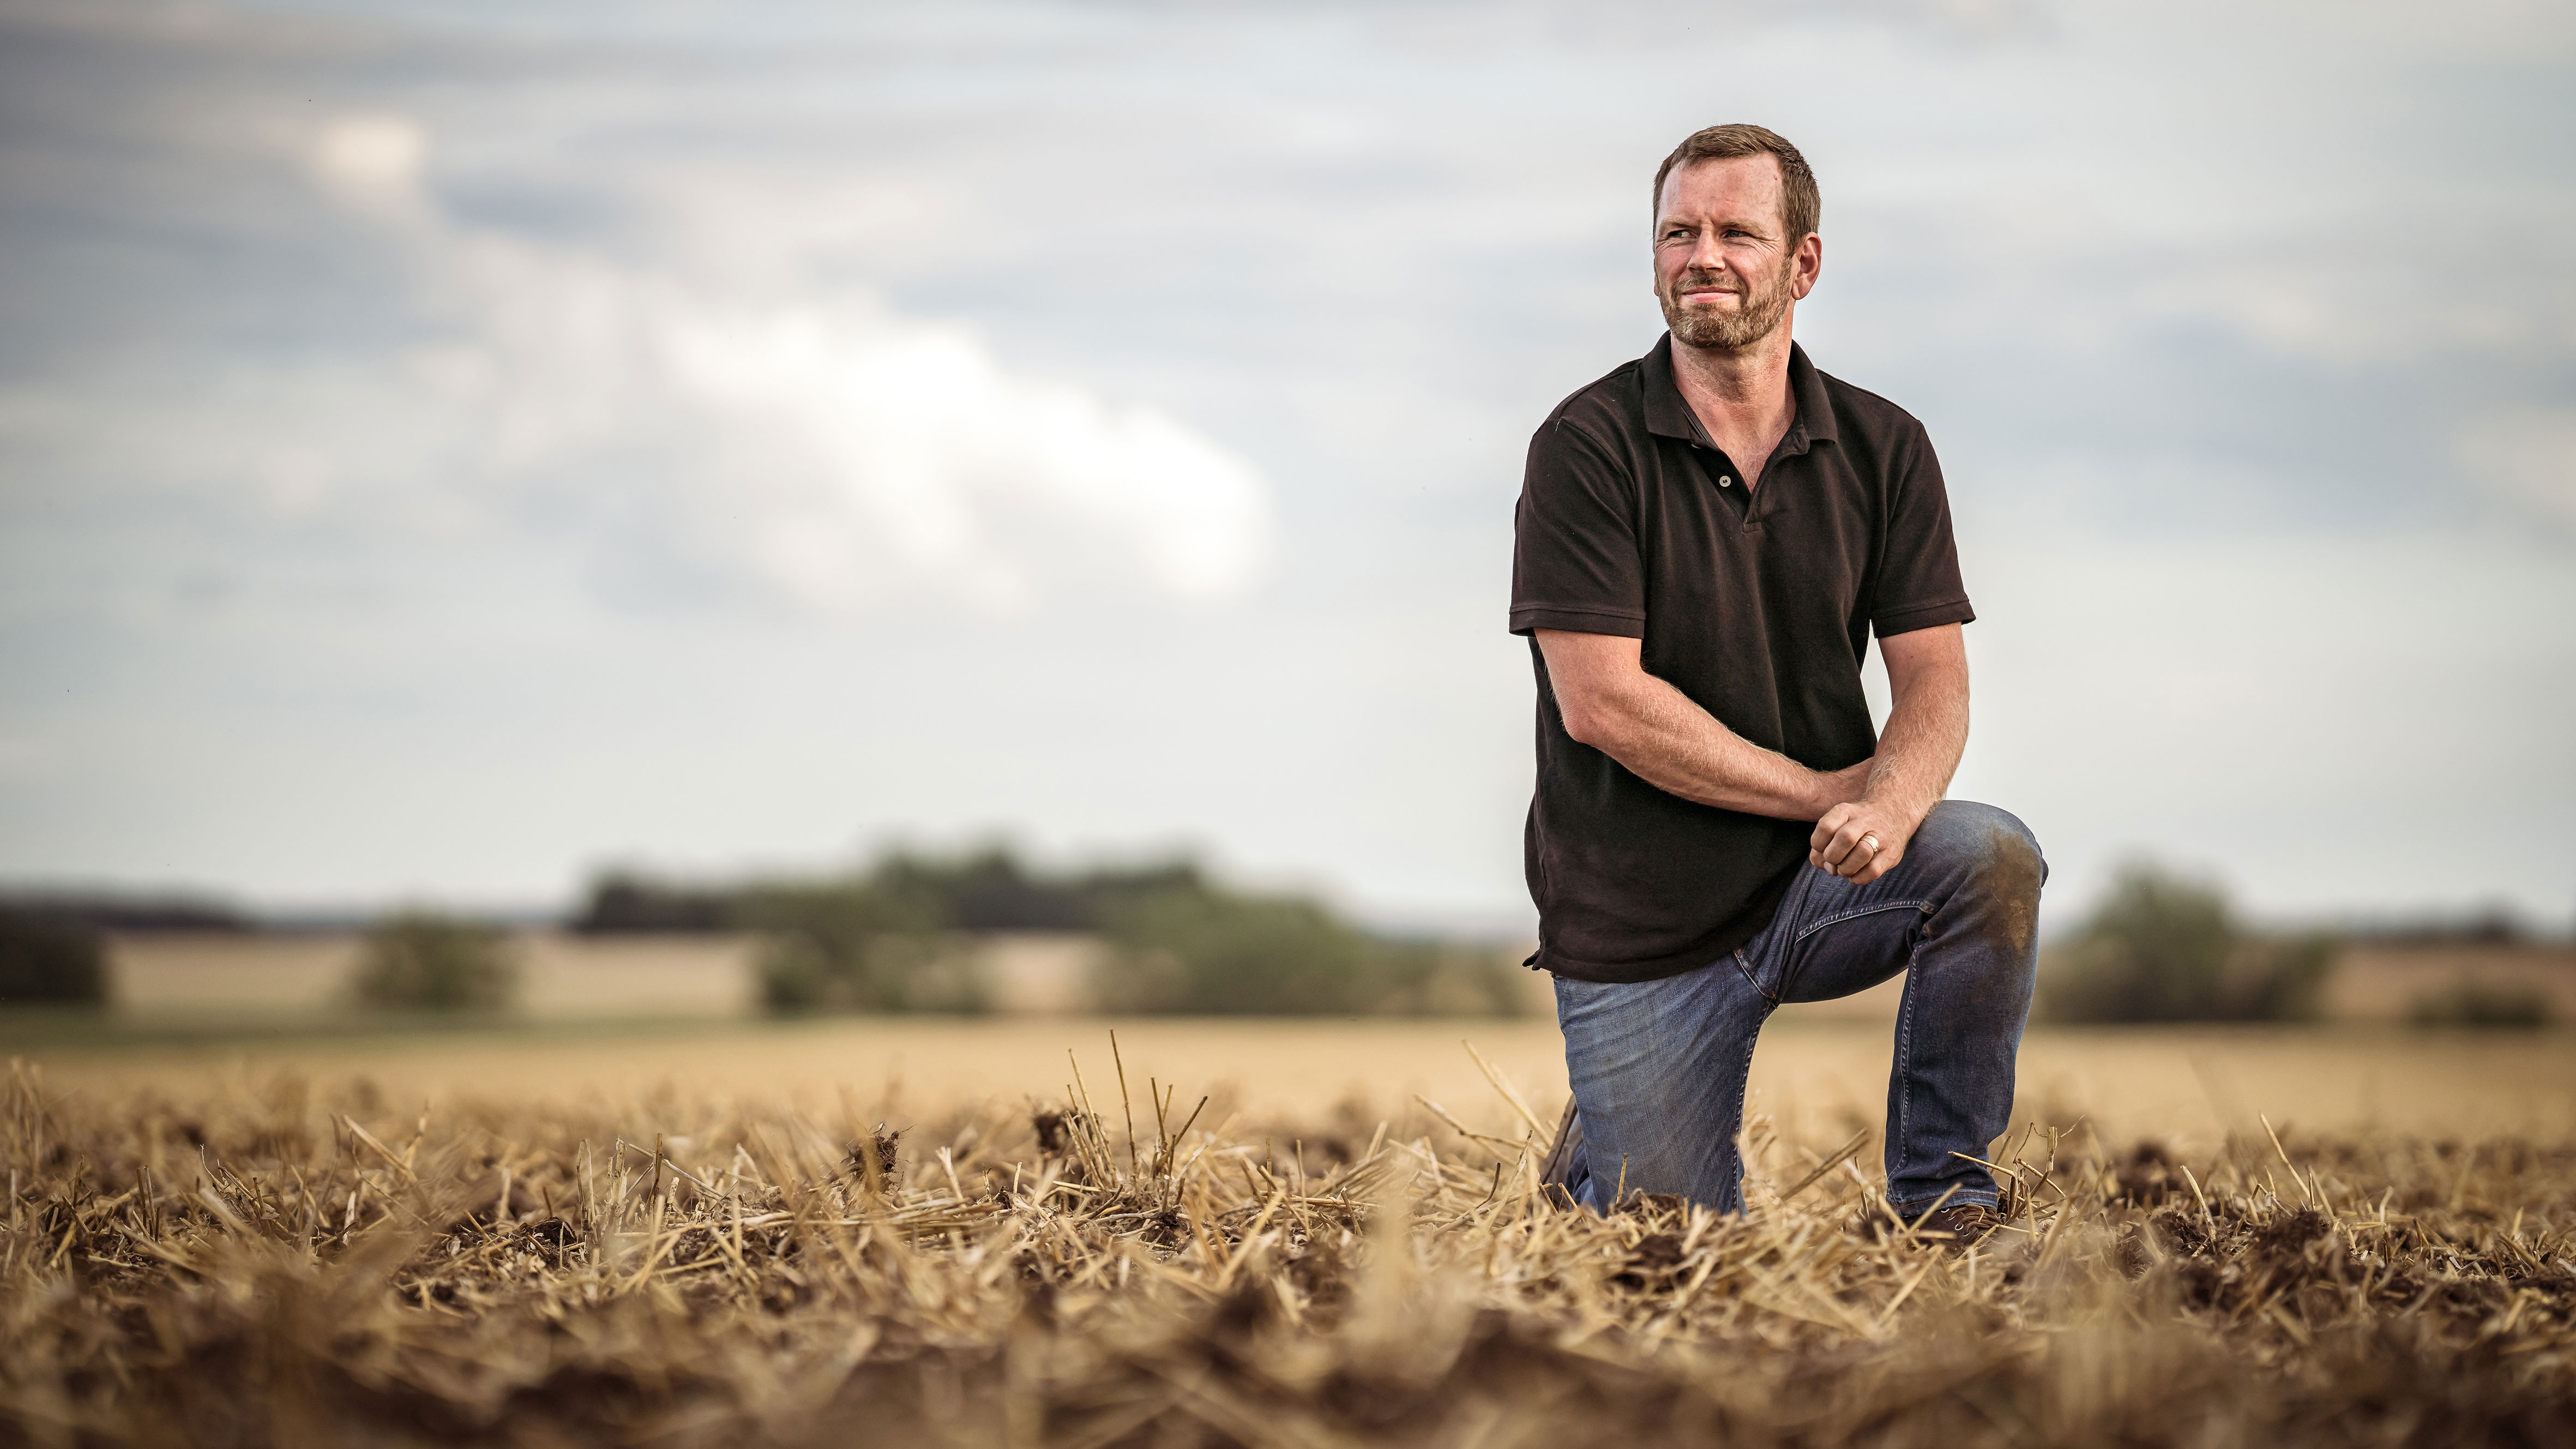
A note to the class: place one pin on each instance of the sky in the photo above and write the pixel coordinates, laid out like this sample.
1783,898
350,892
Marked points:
449,449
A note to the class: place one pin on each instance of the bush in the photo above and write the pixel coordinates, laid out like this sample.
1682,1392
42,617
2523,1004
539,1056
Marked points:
623,904
2494,924
892,940
991,891
1199,951
2164,948
1425,978
50,962
421,961
1191,948
856,946
2476,1004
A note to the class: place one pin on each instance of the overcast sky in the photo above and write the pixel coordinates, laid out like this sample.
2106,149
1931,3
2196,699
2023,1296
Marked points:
446,448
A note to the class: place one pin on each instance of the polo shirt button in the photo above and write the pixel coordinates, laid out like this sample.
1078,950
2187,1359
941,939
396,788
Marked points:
1722,482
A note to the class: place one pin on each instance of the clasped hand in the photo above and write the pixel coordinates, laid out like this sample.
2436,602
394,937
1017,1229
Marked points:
1860,840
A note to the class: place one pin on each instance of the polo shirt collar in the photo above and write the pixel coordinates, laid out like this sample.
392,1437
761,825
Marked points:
1668,416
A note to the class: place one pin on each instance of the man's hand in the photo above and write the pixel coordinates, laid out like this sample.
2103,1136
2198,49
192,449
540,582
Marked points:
1927,729
1861,841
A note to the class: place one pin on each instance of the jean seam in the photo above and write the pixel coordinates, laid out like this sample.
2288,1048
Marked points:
1900,1146
1743,1078
1744,969
1857,912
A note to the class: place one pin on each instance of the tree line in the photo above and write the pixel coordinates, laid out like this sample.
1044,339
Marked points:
898,936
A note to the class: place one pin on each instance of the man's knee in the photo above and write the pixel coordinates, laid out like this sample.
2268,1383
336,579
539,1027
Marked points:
1984,836
1996,857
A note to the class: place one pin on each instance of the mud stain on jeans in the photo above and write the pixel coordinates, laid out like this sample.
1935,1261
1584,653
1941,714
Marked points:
2012,879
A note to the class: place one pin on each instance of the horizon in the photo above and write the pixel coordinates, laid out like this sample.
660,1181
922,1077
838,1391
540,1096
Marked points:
2466,922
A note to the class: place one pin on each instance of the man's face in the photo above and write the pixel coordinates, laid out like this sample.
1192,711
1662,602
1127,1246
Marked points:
1723,270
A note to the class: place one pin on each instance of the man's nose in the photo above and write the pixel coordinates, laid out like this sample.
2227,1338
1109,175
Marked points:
1708,253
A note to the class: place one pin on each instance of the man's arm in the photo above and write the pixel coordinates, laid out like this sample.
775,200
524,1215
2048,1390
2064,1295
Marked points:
1927,730
1611,703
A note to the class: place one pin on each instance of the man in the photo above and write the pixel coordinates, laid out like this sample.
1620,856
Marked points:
1705,539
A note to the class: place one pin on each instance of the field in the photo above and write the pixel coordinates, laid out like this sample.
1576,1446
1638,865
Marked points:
927,1232
174,981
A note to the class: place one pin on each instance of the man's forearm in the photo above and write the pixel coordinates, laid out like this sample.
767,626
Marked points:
1667,740
1927,731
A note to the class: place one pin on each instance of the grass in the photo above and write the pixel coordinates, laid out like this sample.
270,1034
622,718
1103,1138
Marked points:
277,1257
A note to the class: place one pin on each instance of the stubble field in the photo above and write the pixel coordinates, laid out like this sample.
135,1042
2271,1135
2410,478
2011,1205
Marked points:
926,1233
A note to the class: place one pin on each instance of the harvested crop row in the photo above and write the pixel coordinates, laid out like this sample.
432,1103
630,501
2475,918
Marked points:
271,1267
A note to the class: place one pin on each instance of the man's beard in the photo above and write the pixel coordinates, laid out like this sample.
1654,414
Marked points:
1735,329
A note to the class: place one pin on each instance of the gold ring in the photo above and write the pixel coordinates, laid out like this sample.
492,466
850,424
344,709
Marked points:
1870,840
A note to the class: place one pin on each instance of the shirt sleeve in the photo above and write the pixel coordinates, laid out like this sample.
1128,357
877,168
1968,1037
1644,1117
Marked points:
1918,585
1575,564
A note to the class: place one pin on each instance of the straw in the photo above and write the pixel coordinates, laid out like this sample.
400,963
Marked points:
521,1272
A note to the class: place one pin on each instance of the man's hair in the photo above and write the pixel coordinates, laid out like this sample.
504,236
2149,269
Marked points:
1801,206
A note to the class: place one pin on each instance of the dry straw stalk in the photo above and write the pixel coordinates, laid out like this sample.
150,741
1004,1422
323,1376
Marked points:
274,1267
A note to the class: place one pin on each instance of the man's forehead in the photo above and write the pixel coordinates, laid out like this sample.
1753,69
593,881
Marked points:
1746,184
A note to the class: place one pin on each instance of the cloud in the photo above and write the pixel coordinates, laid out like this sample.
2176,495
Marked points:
2334,306
914,439
830,449
374,163
2525,456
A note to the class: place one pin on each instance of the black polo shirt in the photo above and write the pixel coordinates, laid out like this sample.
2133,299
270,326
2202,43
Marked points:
1756,606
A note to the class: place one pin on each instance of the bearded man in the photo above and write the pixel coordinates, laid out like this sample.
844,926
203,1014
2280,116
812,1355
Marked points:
1705,539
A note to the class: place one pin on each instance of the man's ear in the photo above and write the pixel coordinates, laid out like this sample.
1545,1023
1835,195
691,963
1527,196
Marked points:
1805,265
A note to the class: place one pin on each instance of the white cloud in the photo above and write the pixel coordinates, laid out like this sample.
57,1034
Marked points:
374,163
917,439
2526,456
2339,309
295,478
840,453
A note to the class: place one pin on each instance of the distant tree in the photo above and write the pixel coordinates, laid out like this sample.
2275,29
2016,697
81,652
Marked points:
859,946
136,913
2492,924
50,961
423,961
1441,978
2477,1004
2166,948
1200,950
621,903
990,891
894,939
1189,946
2278,978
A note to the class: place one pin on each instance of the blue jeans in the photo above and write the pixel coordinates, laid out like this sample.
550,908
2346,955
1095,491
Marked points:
1659,1066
